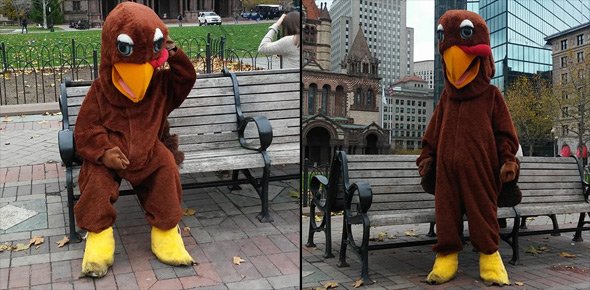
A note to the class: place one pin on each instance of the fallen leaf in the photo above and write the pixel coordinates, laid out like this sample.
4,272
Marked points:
237,260
43,122
330,285
518,283
21,247
188,211
36,240
318,219
7,143
6,119
567,255
63,242
186,229
358,283
411,233
294,194
536,250
5,247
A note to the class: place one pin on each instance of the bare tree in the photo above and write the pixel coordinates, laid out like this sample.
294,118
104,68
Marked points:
22,7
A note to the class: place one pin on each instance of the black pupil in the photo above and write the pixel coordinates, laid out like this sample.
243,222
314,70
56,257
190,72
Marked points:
158,44
124,48
466,32
440,34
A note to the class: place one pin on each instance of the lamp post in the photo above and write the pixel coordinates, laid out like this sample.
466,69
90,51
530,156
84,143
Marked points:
554,133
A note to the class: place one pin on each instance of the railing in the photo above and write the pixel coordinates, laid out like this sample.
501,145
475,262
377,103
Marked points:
32,73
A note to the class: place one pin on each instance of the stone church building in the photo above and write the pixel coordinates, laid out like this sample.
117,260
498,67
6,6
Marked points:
341,110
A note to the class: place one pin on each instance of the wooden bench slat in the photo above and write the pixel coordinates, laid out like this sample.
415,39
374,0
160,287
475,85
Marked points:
529,159
381,165
383,173
526,199
414,216
408,197
552,192
381,158
555,166
553,208
549,172
549,179
554,185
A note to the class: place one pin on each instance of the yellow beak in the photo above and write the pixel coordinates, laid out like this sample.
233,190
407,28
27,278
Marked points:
132,79
461,68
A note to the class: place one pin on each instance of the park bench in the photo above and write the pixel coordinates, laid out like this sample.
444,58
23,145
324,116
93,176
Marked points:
243,122
385,190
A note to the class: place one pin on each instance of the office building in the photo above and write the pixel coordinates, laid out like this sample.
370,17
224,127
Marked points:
408,111
384,25
571,72
425,70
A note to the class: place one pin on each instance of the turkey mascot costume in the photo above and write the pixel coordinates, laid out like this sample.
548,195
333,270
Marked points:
469,147
121,133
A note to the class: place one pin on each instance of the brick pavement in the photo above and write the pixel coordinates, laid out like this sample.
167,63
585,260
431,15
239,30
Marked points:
406,268
223,226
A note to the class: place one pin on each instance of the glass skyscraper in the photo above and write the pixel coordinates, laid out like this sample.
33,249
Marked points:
517,32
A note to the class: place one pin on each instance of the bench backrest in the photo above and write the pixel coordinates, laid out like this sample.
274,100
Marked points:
207,119
395,181
550,181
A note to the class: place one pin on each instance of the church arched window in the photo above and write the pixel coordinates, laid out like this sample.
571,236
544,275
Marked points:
311,93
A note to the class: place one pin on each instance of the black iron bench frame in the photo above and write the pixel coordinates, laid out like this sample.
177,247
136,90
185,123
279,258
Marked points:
260,184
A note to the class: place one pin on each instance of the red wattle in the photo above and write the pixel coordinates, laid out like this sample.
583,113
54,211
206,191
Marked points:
479,49
160,60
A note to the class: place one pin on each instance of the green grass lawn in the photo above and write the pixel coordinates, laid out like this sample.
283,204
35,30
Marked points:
11,28
237,36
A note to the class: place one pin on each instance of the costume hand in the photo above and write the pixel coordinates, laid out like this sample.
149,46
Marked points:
280,21
508,171
170,45
425,166
114,159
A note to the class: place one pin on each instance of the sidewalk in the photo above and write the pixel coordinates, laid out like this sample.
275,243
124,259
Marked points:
406,268
32,182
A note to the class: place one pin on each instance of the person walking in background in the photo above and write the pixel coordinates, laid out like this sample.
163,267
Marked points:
286,47
237,17
24,26
180,18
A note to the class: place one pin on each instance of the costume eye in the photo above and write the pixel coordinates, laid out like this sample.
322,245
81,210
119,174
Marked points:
158,45
440,32
158,40
466,32
466,28
125,44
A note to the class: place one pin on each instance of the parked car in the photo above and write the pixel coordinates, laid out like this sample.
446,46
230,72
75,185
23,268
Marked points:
209,17
255,16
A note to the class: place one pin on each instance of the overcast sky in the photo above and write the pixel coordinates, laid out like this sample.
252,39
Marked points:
420,16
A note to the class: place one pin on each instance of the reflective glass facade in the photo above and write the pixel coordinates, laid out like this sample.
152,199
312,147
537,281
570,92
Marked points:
517,32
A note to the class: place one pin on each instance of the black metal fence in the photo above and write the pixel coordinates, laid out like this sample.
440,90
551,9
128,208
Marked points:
32,73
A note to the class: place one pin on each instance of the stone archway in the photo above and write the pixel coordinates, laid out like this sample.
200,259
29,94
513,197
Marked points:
371,141
318,145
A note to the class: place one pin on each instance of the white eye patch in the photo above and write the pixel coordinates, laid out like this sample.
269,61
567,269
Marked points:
124,38
158,34
440,28
466,23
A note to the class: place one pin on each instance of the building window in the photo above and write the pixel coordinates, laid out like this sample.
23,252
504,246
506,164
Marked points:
580,39
311,92
564,44
563,61
565,130
564,78
581,56
370,98
76,5
358,97
325,93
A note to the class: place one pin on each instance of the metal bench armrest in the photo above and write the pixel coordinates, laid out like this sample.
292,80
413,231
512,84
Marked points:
264,132
365,196
317,181
67,150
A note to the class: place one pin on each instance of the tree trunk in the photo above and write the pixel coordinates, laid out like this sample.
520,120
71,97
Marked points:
45,14
530,149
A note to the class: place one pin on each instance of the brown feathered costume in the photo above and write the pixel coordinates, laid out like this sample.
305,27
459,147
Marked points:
122,124
471,141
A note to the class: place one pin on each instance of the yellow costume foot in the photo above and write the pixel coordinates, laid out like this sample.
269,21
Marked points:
168,247
99,253
491,269
444,269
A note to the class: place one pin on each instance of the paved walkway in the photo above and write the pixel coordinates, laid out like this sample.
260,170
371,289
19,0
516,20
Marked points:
224,226
406,268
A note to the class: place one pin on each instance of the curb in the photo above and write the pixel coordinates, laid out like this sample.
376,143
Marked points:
29,109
